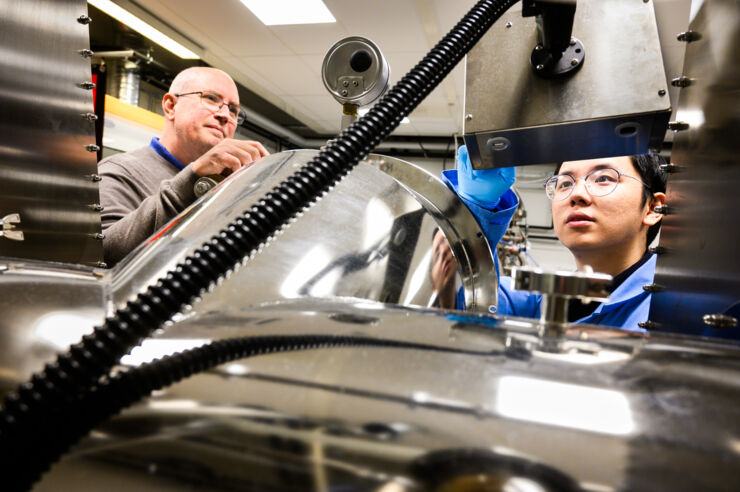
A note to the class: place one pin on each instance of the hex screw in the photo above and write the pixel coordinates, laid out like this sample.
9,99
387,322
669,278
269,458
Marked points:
688,36
468,117
658,250
572,41
719,321
92,148
355,83
540,67
95,178
87,85
90,117
85,53
345,83
648,325
344,92
681,81
508,25
574,62
678,126
653,288
669,168
98,236
538,47
661,209
84,19
96,207
101,264
661,92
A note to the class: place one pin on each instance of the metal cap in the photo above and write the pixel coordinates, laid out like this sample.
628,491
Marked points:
562,283
355,71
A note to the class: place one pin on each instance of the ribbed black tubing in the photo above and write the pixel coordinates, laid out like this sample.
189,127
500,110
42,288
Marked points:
91,358
51,438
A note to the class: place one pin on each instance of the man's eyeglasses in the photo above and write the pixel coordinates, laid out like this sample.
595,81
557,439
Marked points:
599,182
214,102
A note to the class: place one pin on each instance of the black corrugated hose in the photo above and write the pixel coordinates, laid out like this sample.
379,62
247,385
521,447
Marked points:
56,434
93,357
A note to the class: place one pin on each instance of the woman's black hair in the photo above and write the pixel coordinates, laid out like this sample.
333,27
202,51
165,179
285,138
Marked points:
648,167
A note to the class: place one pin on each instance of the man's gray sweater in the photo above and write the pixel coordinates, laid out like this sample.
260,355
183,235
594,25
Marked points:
140,192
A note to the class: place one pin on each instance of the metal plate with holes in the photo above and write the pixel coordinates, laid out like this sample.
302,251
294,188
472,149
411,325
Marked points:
45,167
611,106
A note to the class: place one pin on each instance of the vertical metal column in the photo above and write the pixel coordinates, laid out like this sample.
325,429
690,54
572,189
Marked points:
48,170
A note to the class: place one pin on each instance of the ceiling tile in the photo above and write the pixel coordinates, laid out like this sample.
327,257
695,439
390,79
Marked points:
288,75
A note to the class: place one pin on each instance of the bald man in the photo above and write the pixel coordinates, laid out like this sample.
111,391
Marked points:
142,190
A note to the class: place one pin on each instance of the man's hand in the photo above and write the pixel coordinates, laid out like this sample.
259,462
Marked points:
228,156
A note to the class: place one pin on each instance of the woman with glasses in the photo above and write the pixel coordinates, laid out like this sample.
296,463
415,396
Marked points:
603,211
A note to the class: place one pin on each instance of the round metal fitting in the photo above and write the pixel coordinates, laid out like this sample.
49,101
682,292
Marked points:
359,62
658,250
661,92
95,178
98,236
558,64
87,85
719,321
204,184
84,19
468,117
90,117
85,53
508,25
92,148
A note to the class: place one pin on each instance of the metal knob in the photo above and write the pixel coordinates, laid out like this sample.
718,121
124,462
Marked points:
557,288
719,321
206,183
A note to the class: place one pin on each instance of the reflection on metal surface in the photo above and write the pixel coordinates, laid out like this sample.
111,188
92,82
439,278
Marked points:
616,104
44,132
373,237
564,405
364,418
700,267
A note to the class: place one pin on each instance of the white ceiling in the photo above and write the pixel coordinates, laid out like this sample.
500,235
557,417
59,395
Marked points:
283,63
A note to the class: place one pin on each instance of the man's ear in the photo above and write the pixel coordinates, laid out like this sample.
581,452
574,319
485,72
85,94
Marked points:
651,217
168,106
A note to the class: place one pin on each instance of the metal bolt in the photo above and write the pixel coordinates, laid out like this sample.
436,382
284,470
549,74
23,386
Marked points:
83,19
719,320
468,117
574,62
87,85
572,41
540,67
648,325
92,148
661,92
538,47
95,178
508,25
90,117
345,83
658,250
98,236
688,36
678,126
355,83
661,209
681,81
96,207
85,53
669,168
101,264
653,288
344,92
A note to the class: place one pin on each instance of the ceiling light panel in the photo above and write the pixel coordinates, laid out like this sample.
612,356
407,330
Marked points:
285,12
143,28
